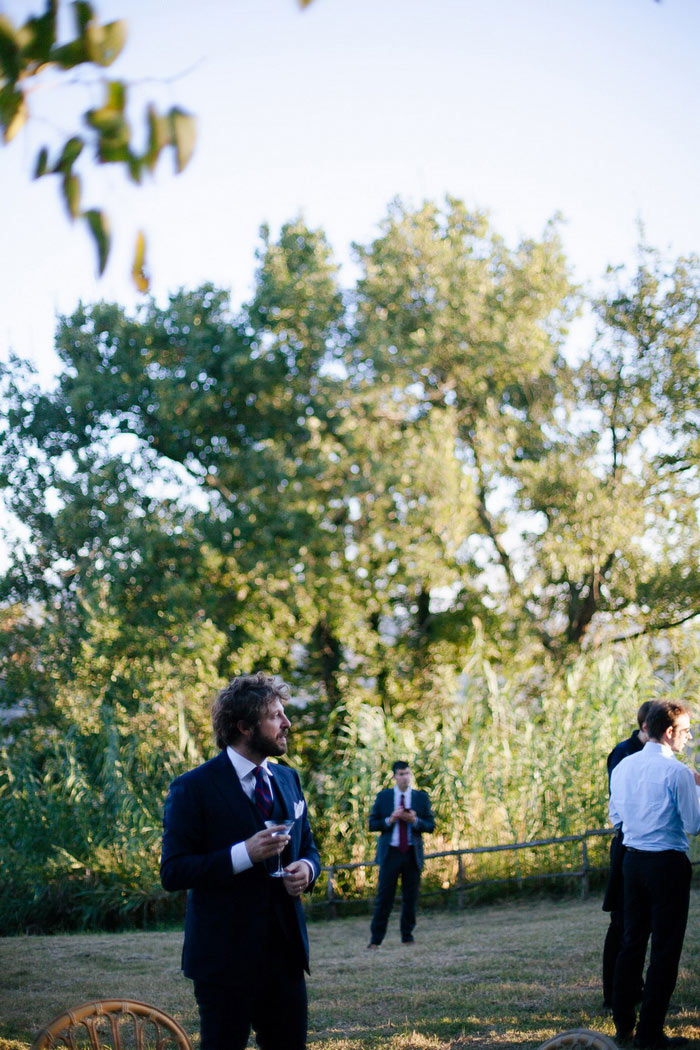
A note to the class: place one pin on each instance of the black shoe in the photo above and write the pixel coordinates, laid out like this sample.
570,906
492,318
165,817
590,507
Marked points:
624,1038
660,1043
408,940
372,944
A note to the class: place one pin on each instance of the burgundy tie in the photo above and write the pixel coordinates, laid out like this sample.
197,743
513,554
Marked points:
263,798
403,830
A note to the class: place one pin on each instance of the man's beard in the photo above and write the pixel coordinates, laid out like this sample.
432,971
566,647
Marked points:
265,746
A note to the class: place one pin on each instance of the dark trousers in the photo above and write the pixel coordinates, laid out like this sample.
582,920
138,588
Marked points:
656,899
611,950
272,1002
612,902
394,865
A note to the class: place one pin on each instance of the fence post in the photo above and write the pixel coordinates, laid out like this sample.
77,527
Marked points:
460,882
584,869
330,896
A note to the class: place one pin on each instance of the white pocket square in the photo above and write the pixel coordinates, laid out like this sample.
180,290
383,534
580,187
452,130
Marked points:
298,809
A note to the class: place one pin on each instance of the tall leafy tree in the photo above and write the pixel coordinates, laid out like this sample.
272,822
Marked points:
462,325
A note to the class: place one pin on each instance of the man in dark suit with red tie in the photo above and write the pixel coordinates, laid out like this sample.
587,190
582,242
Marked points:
246,946
401,815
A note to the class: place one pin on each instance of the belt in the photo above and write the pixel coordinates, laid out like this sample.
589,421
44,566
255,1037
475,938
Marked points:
654,852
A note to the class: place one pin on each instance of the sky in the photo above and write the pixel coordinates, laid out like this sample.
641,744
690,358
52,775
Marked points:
524,108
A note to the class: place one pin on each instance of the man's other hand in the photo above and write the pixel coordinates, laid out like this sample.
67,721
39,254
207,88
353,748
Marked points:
297,878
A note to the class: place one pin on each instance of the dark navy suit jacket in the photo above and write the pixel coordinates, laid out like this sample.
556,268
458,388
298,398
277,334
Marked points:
228,916
612,900
384,806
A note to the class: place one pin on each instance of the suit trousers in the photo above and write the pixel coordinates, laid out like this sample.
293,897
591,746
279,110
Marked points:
396,864
271,1000
656,899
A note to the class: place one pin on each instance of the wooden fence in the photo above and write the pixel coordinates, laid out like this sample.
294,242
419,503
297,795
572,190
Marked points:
462,884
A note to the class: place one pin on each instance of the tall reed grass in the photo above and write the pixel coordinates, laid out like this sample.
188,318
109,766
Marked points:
505,757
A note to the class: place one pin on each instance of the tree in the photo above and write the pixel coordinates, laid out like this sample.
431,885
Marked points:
585,478
349,488
473,330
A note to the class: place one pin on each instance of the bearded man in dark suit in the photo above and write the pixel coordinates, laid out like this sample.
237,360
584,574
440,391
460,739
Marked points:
401,815
246,946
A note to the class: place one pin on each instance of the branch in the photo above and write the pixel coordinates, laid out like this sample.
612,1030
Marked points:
637,632
580,623
504,558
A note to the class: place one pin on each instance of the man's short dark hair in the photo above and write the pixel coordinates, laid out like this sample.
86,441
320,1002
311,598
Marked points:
663,714
643,712
400,764
245,699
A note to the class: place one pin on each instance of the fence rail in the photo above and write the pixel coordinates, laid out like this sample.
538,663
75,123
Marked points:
462,884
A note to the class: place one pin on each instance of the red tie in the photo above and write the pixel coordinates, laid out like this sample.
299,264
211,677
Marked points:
263,798
403,830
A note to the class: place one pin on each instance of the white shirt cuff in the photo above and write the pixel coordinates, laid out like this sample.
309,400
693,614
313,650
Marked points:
311,868
239,858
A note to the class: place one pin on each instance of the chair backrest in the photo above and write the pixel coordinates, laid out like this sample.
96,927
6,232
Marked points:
120,1024
579,1039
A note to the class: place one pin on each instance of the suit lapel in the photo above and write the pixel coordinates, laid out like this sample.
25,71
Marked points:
226,782
284,785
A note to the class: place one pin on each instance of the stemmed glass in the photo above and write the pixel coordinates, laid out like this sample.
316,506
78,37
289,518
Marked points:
279,873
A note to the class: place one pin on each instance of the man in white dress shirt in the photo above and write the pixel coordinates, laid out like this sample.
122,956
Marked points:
401,814
655,799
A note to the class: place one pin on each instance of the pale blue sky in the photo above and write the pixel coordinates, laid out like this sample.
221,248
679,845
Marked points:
521,107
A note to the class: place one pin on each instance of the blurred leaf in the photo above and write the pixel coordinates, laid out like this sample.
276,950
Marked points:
84,14
138,269
110,116
113,147
69,55
184,134
9,50
13,111
70,153
42,34
113,128
105,43
42,163
99,228
135,166
158,137
72,194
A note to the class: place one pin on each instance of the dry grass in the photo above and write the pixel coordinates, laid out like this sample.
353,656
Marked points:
487,978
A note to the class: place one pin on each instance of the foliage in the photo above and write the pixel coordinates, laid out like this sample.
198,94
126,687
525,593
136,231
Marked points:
33,52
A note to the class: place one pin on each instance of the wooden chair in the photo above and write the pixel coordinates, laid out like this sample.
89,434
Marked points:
579,1039
117,1024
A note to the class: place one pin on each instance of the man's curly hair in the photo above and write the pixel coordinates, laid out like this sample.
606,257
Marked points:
245,699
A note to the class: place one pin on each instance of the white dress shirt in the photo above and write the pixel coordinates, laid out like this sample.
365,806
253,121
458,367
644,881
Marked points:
245,770
654,797
407,803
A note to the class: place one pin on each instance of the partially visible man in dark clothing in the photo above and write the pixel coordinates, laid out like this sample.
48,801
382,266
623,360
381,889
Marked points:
246,946
612,901
655,798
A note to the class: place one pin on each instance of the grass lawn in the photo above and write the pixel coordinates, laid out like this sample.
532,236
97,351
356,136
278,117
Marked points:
507,975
